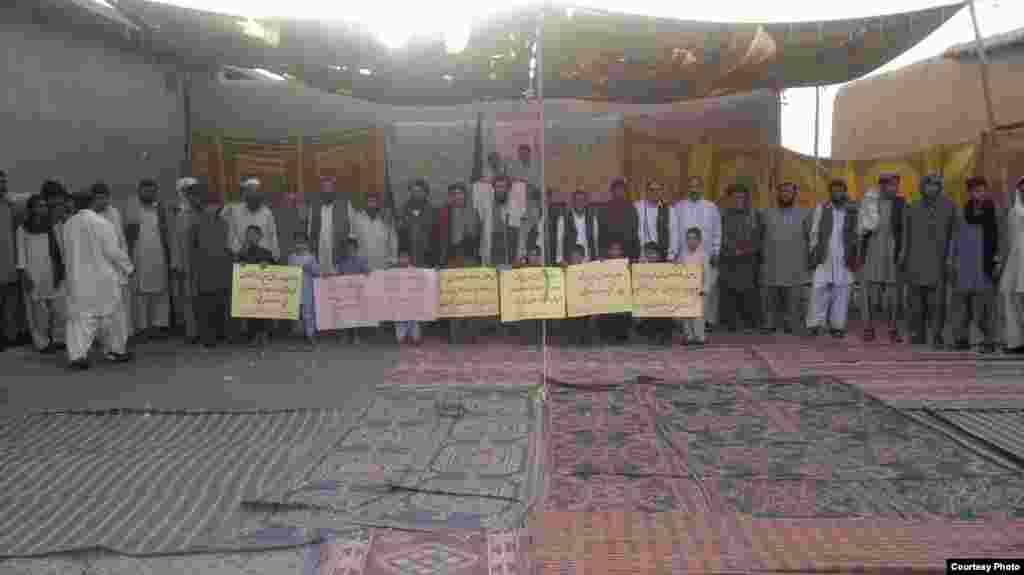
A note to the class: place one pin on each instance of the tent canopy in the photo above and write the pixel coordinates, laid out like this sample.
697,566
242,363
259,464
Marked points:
589,54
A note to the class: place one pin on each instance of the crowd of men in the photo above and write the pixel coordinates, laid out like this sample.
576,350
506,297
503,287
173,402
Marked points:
78,271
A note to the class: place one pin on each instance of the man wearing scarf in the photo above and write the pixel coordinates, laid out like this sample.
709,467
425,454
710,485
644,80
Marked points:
579,227
929,226
881,225
147,232
741,248
251,212
974,261
9,296
619,220
833,252
416,225
506,213
1010,270
41,265
189,210
784,250
457,228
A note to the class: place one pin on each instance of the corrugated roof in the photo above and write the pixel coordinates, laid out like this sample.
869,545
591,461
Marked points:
997,42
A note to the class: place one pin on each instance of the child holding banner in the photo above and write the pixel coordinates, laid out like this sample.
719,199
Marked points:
351,263
693,328
407,331
258,330
303,257
577,329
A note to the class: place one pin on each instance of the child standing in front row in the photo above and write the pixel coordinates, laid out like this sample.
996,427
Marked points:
303,257
407,331
252,253
693,328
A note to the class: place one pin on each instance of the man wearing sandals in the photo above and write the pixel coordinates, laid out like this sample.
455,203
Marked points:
881,225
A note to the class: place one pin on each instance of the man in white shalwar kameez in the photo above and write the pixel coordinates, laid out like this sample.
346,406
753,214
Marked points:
103,207
832,243
1011,267
96,266
148,233
253,211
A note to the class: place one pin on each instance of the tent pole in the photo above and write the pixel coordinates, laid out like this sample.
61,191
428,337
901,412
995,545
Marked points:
543,228
817,132
983,57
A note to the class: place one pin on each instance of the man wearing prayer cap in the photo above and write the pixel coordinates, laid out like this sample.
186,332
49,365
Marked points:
251,212
881,225
928,231
190,196
329,224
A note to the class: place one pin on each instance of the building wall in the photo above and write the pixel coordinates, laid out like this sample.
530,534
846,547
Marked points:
934,102
80,107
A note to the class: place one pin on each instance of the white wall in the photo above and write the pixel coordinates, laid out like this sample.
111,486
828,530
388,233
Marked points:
80,108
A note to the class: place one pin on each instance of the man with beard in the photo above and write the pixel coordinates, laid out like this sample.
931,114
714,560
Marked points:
416,225
974,261
95,266
833,251
251,212
147,233
1010,269
881,223
212,263
9,297
654,214
696,212
329,225
501,236
577,228
524,169
784,267
929,227
741,247
181,260
375,233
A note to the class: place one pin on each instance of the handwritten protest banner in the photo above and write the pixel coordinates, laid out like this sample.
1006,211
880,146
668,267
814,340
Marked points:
598,288
404,294
266,292
532,293
667,290
341,303
468,292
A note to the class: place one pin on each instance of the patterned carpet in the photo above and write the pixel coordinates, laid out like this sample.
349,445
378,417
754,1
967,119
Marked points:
389,552
413,462
620,543
141,483
805,447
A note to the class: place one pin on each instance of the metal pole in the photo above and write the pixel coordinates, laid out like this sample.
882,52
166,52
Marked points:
543,227
985,85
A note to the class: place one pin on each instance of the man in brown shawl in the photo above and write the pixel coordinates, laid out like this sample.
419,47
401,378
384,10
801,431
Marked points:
741,247
619,220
